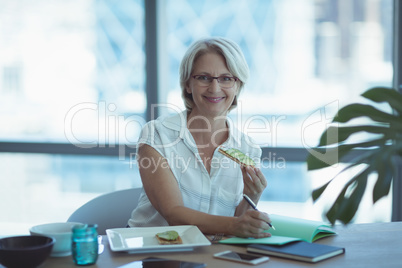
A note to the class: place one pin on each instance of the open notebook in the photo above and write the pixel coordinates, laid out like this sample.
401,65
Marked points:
288,229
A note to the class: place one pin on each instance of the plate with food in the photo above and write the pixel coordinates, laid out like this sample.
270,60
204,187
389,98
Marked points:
156,239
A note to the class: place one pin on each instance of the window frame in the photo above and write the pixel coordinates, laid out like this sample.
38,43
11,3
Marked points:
396,214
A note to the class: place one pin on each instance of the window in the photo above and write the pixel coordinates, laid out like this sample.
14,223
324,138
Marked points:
303,56
70,67
73,72
307,59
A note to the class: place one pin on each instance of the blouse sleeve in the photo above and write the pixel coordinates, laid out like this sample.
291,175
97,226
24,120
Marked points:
150,135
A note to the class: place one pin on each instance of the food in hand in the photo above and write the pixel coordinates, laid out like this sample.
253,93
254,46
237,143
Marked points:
237,156
169,238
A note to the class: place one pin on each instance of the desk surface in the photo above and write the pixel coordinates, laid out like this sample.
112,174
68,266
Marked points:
367,245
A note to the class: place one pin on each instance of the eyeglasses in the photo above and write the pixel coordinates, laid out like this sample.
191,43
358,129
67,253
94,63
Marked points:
224,81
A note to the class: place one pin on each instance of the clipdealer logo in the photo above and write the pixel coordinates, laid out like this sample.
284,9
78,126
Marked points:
317,121
116,130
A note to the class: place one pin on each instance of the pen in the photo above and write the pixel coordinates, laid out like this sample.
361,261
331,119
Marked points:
251,203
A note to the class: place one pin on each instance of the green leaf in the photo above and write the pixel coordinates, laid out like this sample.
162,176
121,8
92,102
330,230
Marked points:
385,172
389,95
349,208
379,153
383,184
322,157
356,110
318,192
344,208
336,134
332,214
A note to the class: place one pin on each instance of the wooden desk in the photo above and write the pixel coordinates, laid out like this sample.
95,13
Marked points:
367,245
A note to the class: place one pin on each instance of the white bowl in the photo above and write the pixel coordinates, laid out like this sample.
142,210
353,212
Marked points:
61,232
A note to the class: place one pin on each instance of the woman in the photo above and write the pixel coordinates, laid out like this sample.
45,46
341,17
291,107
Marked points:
186,180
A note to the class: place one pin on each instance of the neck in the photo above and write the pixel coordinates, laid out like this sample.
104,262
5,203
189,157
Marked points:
208,129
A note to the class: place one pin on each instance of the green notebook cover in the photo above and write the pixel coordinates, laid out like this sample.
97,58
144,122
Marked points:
288,229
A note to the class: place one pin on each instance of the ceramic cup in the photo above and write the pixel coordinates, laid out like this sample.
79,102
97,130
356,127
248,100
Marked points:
61,232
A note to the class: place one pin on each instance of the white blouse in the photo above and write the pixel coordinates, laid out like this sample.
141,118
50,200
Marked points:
218,192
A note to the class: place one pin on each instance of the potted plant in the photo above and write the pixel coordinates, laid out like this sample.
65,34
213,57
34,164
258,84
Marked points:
376,156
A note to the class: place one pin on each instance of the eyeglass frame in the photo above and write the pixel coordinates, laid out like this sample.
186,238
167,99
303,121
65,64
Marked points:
216,77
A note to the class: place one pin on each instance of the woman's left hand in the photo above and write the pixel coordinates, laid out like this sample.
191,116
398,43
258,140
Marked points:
254,182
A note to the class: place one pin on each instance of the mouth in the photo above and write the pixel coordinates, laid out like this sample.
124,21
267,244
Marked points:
214,100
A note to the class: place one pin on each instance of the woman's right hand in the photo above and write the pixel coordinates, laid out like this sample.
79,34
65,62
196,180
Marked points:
251,224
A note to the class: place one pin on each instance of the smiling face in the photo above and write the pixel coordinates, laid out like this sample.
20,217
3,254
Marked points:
211,100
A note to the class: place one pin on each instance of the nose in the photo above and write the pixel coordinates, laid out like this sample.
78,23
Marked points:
214,86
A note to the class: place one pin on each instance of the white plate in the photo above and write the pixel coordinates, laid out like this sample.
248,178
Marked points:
143,240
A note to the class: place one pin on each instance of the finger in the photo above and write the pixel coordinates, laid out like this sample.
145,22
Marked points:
261,226
258,177
261,176
258,227
256,235
263,216
244,173
246,188
247,179
259,219
254,173
262,235
254,181
258,185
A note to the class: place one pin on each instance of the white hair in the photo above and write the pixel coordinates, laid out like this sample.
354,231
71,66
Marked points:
234,58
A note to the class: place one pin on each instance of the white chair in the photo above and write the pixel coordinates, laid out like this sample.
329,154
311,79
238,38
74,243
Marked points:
111,210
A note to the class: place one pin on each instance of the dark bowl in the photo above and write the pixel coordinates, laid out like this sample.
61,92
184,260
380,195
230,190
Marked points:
25,251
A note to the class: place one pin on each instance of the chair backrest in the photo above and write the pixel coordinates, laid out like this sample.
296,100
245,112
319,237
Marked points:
111,210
